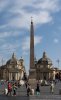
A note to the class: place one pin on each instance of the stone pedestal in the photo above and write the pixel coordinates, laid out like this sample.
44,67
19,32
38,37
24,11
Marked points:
32,76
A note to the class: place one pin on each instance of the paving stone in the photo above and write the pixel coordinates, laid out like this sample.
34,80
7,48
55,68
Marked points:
14,98
44,94
46,97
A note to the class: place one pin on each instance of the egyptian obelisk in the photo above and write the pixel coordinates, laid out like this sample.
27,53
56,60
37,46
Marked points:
32,71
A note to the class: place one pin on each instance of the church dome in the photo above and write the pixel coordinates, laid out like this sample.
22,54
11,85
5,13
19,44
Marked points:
13,60
21,59
45,59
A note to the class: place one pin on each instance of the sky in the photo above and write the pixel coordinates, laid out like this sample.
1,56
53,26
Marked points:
15,20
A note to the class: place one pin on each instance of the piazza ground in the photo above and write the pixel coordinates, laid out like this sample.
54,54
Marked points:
44,93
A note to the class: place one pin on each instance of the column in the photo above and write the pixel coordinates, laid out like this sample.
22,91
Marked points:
49,75
53,75
9,76
16,76
21,75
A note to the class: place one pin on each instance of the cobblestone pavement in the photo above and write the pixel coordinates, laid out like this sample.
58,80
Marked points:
45,97
13,97
41,97
44,94
46,89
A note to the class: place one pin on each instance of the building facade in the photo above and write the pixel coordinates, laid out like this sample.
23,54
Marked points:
45,69
13,69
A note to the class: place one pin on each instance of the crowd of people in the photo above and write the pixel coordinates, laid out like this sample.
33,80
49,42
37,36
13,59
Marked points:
11,89
37,89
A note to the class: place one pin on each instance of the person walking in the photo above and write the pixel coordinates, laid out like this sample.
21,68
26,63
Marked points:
37,89
52,87
26,84
9,88
14,89
6,91
28,90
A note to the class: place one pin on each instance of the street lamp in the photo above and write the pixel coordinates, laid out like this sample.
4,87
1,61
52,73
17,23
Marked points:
58,61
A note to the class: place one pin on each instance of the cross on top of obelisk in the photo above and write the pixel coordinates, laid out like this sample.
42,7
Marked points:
31,19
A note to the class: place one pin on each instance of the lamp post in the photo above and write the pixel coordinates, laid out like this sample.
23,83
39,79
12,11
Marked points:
2,61
58,61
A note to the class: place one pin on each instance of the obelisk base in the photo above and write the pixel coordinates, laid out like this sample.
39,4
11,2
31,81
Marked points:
32,76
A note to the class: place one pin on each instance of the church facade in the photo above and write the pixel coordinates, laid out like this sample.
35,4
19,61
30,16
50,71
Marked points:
44,68
13,69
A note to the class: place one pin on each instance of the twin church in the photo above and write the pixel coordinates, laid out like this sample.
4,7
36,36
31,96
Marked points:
14,69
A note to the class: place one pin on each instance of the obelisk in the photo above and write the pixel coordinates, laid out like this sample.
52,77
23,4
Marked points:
32,71
31,45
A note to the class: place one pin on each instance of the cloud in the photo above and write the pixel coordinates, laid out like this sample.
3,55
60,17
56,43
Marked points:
38,39
3,4
10,34
20,12
24,21
24,53
49,5
56,40
8,47
26,42
4,34
38,6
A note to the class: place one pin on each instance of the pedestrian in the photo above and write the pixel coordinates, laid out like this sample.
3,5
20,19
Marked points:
52,87
37,89
26,84
14,89
28,90
32,91
5,91
9,88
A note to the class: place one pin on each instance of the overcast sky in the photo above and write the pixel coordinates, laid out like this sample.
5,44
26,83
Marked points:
15,18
